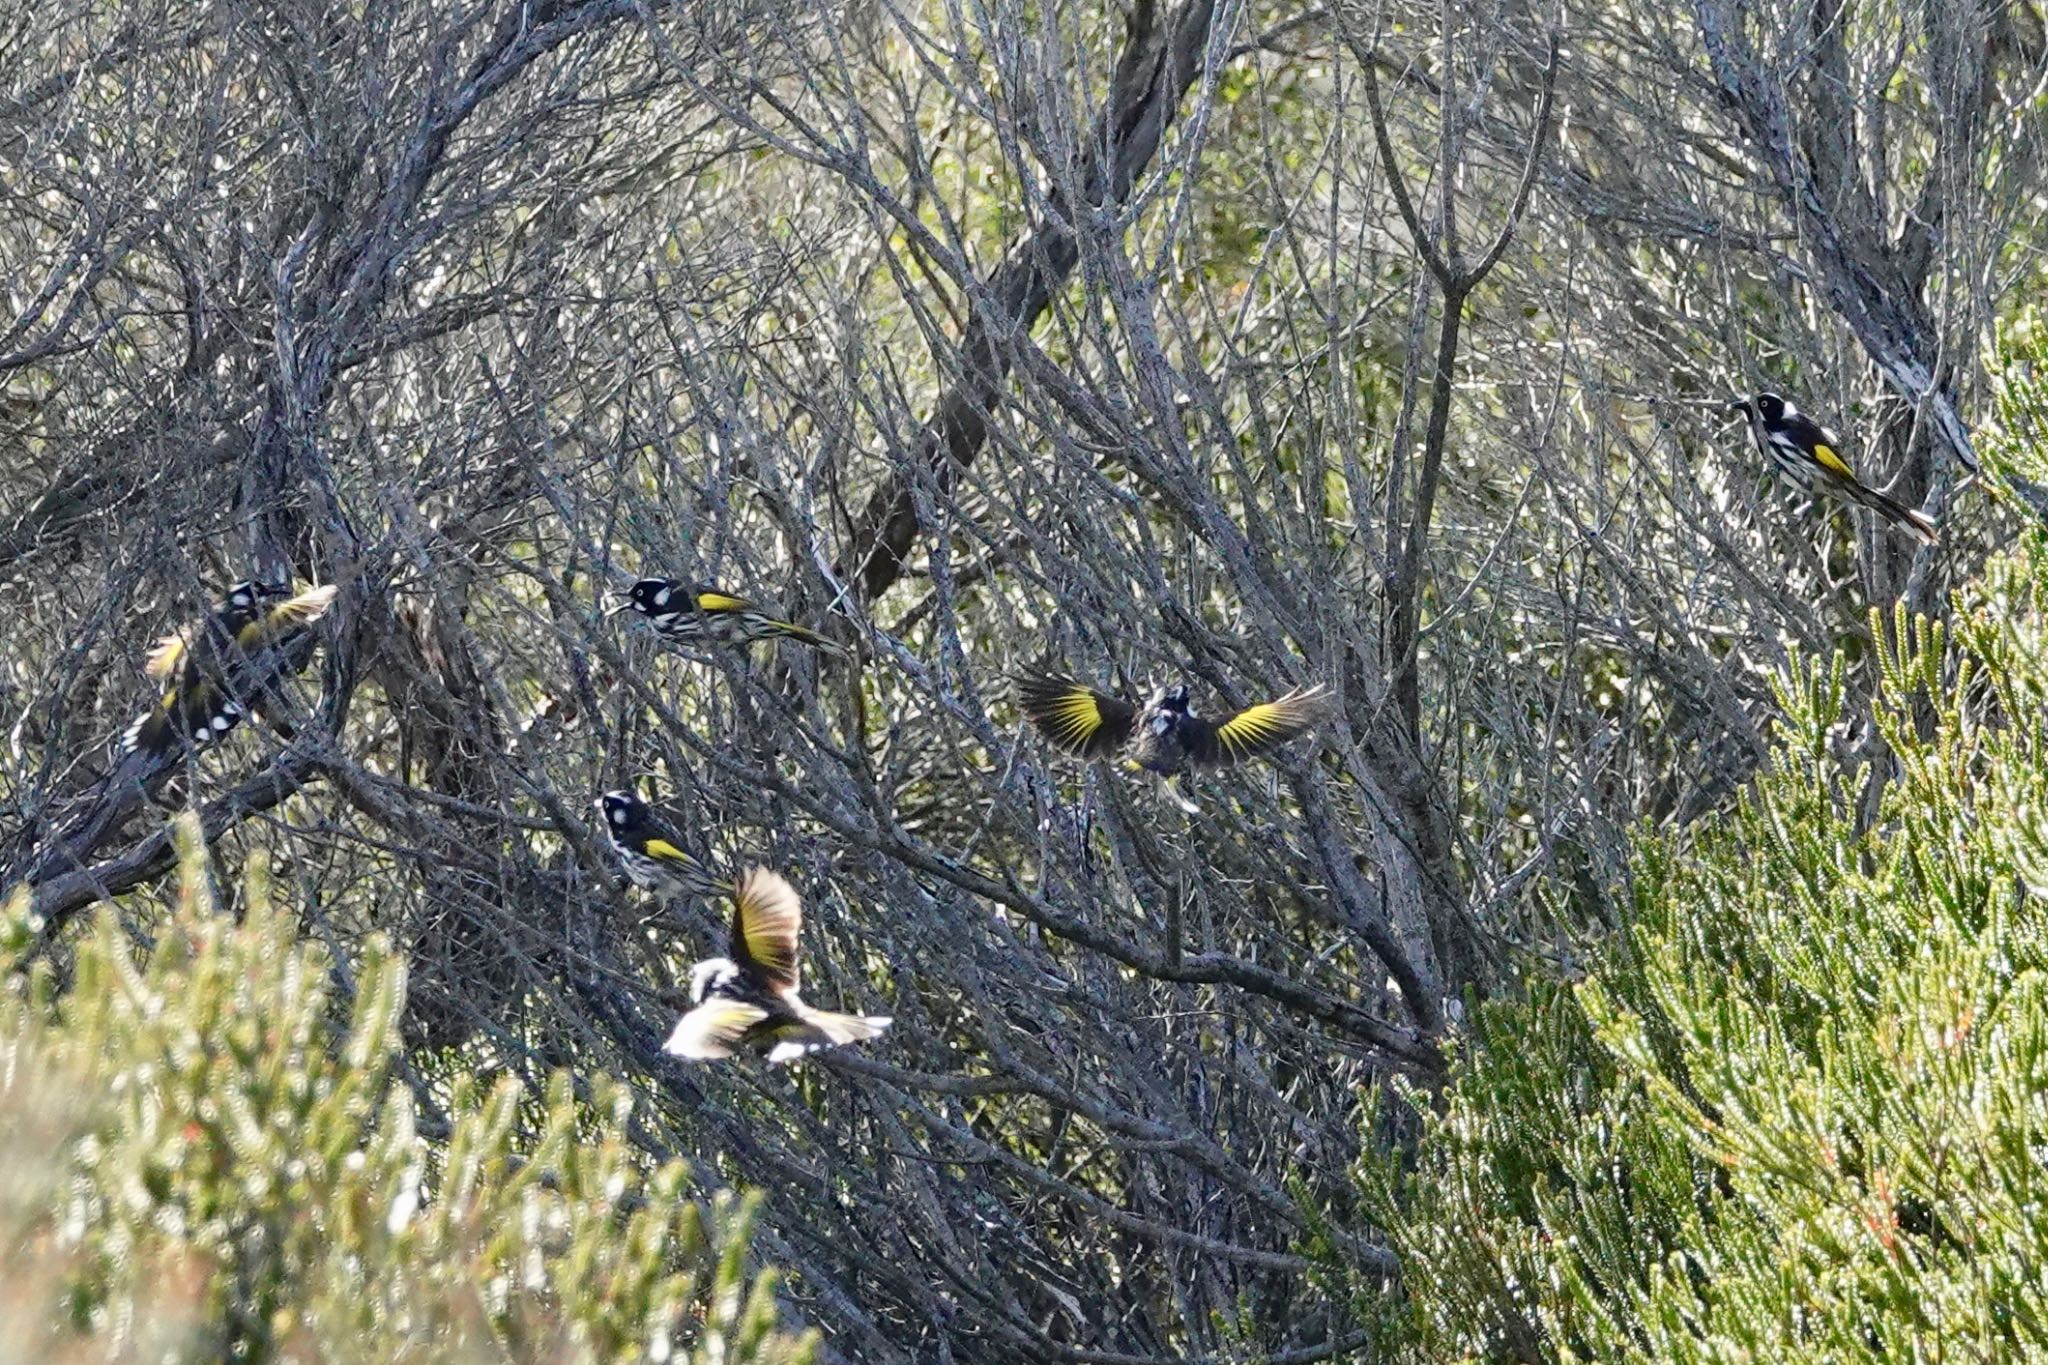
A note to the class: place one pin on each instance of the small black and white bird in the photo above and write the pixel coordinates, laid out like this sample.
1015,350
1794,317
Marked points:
1165,735
1810,455
211,671
652,853
686,615
749,1000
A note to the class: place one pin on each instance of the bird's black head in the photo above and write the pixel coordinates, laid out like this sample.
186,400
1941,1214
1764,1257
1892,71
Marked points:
1174,699
656,596
247,599
621,809
1772,408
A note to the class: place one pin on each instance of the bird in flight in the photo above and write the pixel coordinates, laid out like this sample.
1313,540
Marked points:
211,670
749,1000
1165,735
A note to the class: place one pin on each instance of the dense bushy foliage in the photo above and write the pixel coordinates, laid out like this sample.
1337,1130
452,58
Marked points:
1249,344
207,1160
1797,1112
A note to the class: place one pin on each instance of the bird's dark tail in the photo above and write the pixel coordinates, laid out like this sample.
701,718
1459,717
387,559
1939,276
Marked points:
1910,520
793,631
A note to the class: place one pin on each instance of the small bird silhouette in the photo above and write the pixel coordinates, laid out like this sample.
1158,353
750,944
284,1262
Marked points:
1165,735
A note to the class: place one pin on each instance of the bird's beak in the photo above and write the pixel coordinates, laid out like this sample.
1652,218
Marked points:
1742,406
624,600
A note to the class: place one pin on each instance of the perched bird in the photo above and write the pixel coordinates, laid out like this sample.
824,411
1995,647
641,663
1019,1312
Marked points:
1809,454
750,999
213,670
685,614
1165,735
651,853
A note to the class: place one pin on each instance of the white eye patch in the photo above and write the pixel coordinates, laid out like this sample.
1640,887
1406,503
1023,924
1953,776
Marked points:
618,815
661,598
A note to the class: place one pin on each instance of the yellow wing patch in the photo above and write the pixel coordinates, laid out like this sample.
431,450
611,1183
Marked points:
662,848
767,917
1074,717
1825,453
287,616
1270,723
714,1029
163,661
718,601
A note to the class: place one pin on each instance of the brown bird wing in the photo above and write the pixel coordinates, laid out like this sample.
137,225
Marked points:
1076,719
1256,729
767,917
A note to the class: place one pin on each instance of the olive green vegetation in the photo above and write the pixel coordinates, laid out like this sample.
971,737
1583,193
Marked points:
1796,1111
209,1157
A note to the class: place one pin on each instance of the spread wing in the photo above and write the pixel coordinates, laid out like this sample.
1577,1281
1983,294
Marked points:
714,1029
170,652
1257,729
1076,719
767,916
292,614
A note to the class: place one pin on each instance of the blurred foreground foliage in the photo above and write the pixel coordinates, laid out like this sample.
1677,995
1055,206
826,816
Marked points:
209,1157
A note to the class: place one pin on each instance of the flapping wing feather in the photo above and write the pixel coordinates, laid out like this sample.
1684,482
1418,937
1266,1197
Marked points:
292,614
1074,718
170,652
1259,728
713,1029
767,917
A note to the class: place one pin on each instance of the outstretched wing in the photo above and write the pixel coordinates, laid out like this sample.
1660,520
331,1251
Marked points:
767,917
170,652
1076,719
292,614
1257,729
713,1029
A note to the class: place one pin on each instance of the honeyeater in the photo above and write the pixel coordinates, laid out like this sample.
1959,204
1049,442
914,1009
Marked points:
212,670
1811,456
686,614
651,852
749,1000
1164,735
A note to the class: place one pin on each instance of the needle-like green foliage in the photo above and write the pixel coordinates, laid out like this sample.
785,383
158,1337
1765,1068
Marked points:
206,1161
1798,1112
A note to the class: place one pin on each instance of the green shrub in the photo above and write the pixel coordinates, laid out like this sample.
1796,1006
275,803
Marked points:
1801,1111
205,1162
